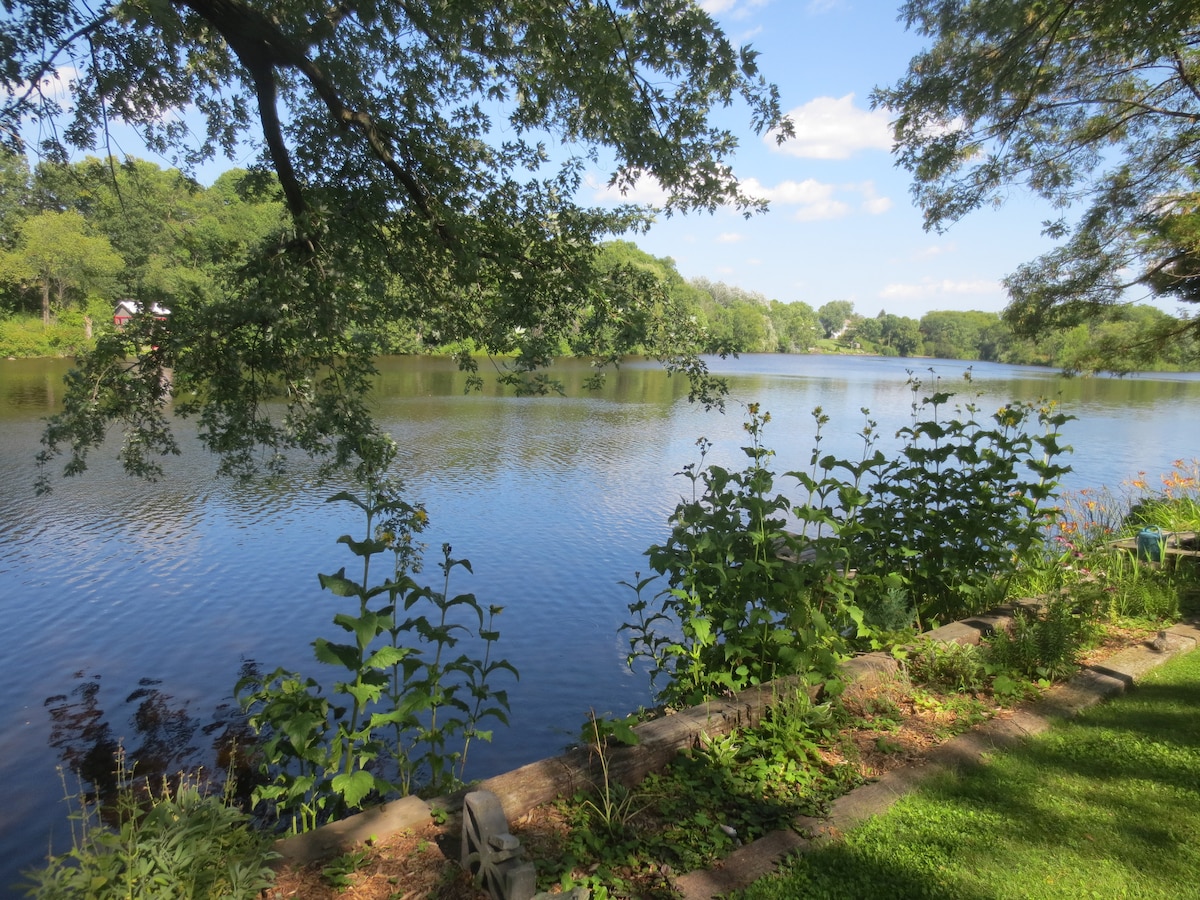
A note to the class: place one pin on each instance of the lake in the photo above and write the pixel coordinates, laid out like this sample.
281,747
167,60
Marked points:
132,607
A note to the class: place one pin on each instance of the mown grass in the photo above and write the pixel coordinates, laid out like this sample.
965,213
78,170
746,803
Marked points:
1105,806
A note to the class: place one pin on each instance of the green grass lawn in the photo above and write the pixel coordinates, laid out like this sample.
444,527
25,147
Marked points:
1104,806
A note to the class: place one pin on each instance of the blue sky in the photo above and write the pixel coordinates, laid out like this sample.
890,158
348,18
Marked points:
842,225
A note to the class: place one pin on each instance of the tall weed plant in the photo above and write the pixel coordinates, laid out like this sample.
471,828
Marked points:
1045,643
963,504
413,686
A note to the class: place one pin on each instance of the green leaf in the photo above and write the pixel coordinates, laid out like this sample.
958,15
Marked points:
365,627
337,654
340,585
365,548
346,496
354,787
386,657
363,693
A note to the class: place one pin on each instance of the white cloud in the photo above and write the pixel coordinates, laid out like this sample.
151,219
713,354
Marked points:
816,200
902,291
833,128
818,212
935,288
790,192
645,192
54,86
737,9
730,237
819,200
978,286
872,203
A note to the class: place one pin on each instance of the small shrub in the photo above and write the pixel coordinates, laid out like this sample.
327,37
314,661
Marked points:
958,666
1134,589
736,610
339,872
886,610
1044,643
178,842
962,504
1156,599
760,586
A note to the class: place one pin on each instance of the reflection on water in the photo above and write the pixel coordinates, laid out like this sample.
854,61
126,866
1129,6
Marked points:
132,606
154,733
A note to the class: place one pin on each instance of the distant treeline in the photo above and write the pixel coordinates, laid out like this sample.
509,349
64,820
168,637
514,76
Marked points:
75,240
739,321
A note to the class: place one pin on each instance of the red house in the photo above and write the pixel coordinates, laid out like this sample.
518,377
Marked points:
127,309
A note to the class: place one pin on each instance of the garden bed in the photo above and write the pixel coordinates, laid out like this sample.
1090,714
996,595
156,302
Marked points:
888,723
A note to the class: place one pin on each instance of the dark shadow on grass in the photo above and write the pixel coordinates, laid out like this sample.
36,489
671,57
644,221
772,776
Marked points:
1105,802
1129,770
849,872
1124,818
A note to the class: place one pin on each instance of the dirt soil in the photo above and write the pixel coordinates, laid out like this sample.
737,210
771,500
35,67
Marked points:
423,864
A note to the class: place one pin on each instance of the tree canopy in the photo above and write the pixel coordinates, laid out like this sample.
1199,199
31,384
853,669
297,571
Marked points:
55,252
1093,106
429,154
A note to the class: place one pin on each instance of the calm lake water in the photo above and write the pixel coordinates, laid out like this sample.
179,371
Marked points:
130,608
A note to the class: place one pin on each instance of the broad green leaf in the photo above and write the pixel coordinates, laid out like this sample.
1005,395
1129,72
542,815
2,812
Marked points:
354,787
337,654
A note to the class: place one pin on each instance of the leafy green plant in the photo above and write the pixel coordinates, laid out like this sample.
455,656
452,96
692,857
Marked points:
405,692
338,872
612,803
174,843
958,666
1131,589
760,585
296,747
1044,643
1173,507
726,790
962,504
736,610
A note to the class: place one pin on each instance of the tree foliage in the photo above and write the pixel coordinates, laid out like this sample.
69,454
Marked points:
956,335
428,153
834,316
1083,103
56,253
739,321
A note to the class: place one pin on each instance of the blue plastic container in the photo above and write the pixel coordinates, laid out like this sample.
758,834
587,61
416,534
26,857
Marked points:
1150,542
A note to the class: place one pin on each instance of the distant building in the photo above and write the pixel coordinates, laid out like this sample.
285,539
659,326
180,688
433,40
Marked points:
127,309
